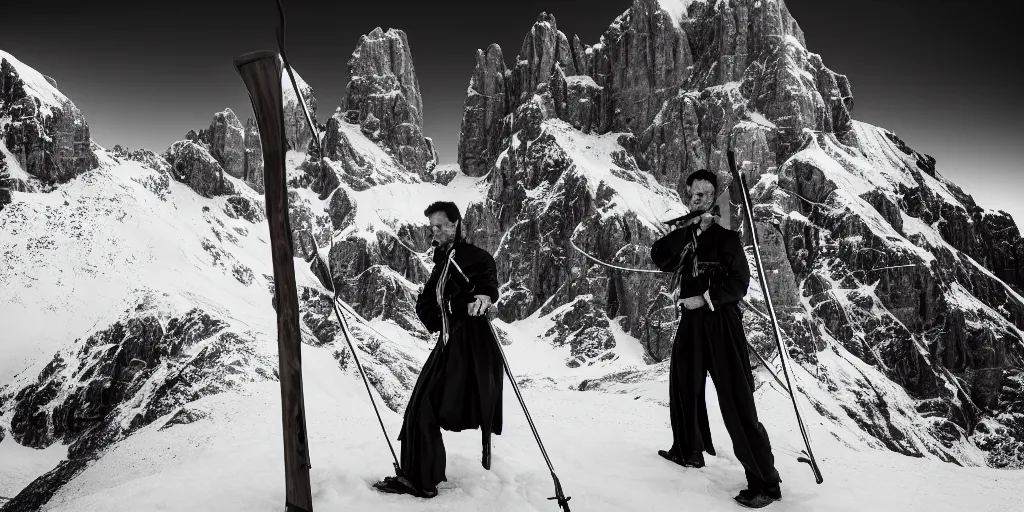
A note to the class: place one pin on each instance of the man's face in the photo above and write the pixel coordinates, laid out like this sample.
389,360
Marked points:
442,230
702,195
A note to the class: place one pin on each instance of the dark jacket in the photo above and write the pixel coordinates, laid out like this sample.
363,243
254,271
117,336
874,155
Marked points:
722,263
482,273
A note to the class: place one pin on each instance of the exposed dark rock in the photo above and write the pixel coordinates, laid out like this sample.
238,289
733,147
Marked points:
296,126
342,210
486,105
227,143
184,416
310,230
585,328
444,174
253,157
5,184
385,93
45,132
193,165
242,207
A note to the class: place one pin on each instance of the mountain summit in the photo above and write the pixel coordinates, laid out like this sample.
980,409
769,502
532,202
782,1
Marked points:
876,259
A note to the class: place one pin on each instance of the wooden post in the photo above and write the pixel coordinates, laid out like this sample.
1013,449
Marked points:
261,73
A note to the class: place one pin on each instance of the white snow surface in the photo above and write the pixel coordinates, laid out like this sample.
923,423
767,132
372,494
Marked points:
585,80
404,203
603,447
676,9
19,465
80,265
652,202
759,118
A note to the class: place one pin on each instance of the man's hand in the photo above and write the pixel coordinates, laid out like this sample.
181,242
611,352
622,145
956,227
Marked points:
480,305
693,302
706,220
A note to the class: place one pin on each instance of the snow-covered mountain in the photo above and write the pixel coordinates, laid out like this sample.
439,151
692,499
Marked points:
138,365
875,257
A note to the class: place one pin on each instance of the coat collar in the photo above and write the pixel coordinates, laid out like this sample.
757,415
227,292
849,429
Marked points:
440,255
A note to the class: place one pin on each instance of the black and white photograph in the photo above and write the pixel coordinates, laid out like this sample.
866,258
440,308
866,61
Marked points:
537,256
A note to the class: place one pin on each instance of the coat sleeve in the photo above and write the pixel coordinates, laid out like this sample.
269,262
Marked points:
482,274
485,276
666,250
737,274
426,304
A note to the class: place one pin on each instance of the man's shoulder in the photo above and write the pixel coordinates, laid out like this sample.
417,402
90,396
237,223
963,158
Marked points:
722,233
473,251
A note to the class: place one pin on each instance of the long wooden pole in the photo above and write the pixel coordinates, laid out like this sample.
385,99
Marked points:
261,73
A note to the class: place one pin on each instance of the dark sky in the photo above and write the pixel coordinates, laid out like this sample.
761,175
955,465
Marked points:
944,77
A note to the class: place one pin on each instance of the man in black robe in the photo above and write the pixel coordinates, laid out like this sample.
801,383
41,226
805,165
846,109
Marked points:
460,385
713,275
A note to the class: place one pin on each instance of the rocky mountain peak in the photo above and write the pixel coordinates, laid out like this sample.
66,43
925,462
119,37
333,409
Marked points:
487,104
383,96
873,254
296,127
227,142
44,133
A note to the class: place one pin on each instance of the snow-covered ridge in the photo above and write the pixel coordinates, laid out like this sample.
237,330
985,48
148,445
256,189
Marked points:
677,9
584,80
593,156
288,91
36,84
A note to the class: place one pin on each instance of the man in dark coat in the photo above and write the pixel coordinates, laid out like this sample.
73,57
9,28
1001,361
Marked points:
460,385
711,267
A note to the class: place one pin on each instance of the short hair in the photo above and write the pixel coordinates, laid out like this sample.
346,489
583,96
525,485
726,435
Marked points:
449,208
703,174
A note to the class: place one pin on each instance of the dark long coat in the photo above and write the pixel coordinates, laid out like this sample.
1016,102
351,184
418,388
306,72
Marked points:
460,385
711,340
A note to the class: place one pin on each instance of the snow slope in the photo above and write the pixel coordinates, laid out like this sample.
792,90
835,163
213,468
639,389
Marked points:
603,447
79,256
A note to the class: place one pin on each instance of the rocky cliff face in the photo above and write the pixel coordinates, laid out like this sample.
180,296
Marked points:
226,147
5,184
193,165
872,252
226,138
42,130
253,156
296,128
383,97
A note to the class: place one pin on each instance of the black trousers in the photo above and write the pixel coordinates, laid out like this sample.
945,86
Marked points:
459,388
713,342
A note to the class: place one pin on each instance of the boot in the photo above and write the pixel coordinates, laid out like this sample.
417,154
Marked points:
697,461
402,485
753,497
485,458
